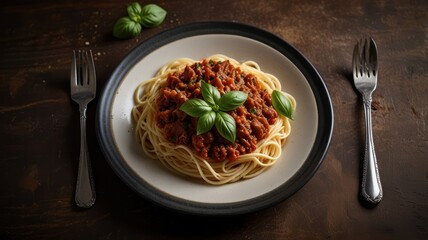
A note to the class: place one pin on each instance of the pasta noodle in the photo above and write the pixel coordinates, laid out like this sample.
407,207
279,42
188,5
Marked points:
182,159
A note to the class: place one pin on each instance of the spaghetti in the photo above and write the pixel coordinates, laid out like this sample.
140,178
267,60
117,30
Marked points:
185,159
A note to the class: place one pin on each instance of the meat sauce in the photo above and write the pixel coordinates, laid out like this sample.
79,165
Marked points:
252,118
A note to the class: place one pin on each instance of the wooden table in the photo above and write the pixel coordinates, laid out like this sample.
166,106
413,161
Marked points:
39,125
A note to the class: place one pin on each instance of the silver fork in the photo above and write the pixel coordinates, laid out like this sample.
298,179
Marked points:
83,88
365,71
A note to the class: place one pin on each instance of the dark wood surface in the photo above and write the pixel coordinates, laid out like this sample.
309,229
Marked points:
39,144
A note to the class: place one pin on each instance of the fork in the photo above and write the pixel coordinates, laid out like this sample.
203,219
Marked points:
365,71
83,88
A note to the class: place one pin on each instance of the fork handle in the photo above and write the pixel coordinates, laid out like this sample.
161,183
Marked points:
85,188
371,185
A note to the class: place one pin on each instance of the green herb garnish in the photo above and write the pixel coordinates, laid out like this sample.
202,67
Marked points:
212,110
134,11
126,28
196,107
282,104
151,15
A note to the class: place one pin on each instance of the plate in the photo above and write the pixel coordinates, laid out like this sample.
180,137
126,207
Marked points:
301,156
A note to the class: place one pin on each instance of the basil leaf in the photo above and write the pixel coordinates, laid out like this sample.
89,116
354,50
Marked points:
205,122
231,100
226,126
134,11
195,107
210,93
282,104
152,15
125,28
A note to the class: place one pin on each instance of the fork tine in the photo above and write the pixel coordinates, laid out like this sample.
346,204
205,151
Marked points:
73,78
91,71
373,57
84,68
79,67
366,56
355,59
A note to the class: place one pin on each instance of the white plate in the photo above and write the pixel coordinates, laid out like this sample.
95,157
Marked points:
301,156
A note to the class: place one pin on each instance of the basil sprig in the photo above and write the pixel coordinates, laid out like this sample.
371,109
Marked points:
212,110
151,15
196,107
231,100
134,10
282,104
126,28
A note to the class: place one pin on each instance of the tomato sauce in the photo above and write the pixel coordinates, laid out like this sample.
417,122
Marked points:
253,118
